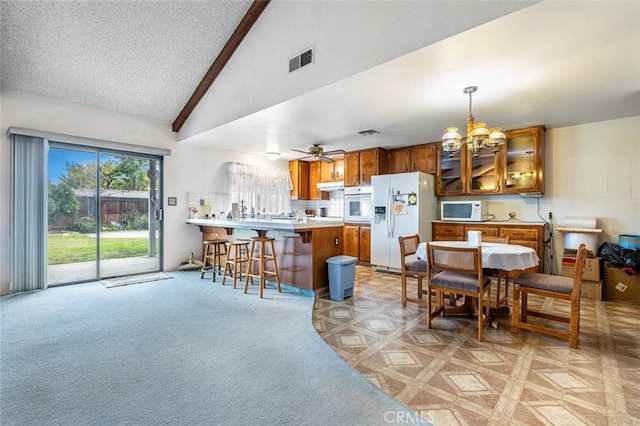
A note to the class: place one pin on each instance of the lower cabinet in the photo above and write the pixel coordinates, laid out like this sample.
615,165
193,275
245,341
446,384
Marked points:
521,234
357,241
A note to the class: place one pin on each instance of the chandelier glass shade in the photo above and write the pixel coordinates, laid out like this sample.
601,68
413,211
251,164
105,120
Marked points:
478,135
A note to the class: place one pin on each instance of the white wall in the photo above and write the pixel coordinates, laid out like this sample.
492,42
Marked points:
188,168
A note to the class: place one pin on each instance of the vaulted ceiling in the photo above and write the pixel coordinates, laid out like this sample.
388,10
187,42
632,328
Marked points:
396,67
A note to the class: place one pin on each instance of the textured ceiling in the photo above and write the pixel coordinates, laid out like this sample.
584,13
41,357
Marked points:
137,57
555,63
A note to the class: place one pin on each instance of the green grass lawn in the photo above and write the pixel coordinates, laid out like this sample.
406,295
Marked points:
72,247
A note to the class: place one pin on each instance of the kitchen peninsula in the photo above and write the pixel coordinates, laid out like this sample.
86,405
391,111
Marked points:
302,248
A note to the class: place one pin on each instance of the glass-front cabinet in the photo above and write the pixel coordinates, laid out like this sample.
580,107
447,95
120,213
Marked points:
516,168
449,178
522,161
483,173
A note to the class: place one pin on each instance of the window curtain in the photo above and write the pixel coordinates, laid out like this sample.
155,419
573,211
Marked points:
265,189
29,222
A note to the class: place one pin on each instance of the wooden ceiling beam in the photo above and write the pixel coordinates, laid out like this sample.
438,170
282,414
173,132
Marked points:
218,65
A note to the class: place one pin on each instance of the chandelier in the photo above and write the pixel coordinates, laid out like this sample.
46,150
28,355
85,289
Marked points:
478,136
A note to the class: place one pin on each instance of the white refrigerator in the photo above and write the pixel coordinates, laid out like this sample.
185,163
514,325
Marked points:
403,204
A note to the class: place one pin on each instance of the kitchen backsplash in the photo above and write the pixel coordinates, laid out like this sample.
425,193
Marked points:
220,202
212,203
334,205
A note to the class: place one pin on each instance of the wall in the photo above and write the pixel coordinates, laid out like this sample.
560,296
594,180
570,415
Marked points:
188,168
586,174
591,170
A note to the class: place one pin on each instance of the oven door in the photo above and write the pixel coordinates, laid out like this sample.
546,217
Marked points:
358,208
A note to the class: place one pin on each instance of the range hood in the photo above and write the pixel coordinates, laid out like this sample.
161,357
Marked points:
330,186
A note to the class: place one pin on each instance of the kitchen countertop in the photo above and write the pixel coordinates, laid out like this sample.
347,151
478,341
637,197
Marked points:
288,224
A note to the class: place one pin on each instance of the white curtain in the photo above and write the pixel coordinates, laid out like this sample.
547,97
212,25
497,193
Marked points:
264,189
29,222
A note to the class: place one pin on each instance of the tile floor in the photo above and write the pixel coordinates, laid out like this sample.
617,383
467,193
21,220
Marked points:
450,378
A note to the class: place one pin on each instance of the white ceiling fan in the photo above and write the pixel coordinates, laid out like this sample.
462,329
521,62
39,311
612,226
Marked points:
316,151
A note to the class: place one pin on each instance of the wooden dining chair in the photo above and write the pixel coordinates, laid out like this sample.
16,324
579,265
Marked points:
460,272
554,286
498,274
412,267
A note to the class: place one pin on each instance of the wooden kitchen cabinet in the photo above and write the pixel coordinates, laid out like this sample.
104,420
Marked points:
314,178
332,172
299,171
528,235
357,241
517,167
447,232
417,158
522,161
359,166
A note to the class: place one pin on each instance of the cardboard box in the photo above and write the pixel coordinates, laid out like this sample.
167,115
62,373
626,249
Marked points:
591,290
591,268
620,286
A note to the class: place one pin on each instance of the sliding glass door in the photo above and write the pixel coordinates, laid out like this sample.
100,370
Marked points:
102,209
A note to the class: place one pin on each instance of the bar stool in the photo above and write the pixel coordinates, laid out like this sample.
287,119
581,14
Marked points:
262,257
212,255
238,254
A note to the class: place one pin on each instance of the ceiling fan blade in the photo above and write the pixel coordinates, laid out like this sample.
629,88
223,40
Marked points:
326,159
297,150
334,152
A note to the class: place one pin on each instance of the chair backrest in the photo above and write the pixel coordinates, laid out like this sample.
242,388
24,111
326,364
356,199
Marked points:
464,260
408,247
492,239
581,257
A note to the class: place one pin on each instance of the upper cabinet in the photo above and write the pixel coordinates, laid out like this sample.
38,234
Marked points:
522,161
359,166
418,158
299,171
332,172
516,168
314,177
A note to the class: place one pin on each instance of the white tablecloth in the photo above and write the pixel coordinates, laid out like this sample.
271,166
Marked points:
507,257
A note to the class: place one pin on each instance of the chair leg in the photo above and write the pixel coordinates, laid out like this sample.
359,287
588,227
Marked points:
480,317
429,307
249,268
523,307
515,309
574,324
275,266
404,291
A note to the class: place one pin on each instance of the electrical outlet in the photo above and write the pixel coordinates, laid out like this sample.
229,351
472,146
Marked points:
512,215
336,241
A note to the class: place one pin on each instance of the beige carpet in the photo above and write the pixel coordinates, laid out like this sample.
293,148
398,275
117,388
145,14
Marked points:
134,279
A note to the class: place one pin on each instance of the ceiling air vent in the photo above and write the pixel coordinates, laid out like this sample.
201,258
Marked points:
301,60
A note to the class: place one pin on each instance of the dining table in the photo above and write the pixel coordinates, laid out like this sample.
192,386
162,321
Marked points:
506,257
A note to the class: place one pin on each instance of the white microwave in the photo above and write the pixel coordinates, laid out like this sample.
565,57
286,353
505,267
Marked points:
463,211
